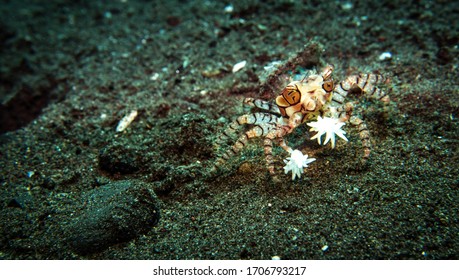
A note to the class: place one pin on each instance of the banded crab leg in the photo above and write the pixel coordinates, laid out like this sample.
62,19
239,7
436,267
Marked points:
344,113
366,83
235,125
261,104
275,135
264,124
364,134
295,120
268,148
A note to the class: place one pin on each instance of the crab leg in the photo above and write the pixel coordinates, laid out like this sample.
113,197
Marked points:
256,119
344,114
364,134
366,83
264,123
265,105
277,135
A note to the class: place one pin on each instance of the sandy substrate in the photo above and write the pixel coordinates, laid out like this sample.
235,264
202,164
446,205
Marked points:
74,188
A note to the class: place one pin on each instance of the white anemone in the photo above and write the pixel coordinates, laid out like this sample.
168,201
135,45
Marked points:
329,127
296,162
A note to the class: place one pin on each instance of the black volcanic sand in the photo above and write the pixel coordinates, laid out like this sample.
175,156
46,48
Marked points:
74,188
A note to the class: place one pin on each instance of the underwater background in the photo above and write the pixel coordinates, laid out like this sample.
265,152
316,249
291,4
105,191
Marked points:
73,187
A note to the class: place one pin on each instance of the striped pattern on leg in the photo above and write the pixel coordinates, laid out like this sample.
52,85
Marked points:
240,143
263,125
235,126
343,112
366,83
261,104
364,134
340,92
275,134
268,147
284,146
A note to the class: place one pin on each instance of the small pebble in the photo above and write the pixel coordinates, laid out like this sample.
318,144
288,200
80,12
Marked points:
126,121
229,9
347,6
385,56
238,66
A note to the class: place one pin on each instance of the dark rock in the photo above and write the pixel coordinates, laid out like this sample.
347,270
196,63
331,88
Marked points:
14,203
118,159
113,213
22,201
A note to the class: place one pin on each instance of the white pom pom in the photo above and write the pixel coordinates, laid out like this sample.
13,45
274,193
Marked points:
296,162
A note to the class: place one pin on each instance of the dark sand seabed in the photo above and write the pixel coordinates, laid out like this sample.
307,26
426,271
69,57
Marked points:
74,188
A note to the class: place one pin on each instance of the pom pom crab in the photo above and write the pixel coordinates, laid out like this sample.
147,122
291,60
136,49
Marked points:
316,98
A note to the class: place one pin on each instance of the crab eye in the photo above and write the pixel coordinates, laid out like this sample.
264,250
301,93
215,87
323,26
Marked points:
328,86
